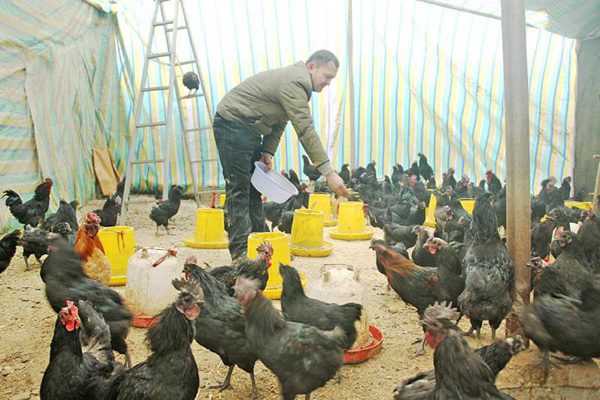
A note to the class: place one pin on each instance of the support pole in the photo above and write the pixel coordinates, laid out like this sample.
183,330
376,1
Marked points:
516,106
351,87
595,199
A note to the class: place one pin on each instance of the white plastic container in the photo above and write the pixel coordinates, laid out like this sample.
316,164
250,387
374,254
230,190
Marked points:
148,289
340,284
272,184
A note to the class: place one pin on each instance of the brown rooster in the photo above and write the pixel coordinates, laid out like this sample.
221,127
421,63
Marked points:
87,244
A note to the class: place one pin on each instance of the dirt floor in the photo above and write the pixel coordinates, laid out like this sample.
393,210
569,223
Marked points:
27,321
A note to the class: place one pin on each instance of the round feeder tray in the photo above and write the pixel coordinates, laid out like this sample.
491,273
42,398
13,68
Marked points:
143,321
190,241
364,235
274,292
325,250
117,280
361,354
330,222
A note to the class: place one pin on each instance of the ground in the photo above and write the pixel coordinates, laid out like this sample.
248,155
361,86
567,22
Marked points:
27,322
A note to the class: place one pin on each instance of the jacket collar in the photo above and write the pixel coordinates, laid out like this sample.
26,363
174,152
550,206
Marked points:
305,81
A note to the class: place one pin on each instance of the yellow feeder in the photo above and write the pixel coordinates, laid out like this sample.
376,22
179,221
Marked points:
585,205
210,230
281,255
222,198
322,202
468,204
351,223
119,245
429,216
307,234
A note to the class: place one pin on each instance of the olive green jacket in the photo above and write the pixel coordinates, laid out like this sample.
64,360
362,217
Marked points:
266,102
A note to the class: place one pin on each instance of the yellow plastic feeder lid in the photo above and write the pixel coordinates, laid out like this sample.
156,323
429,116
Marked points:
210,230
323,251
365,235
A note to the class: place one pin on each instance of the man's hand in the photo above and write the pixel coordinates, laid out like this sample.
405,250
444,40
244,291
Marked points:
267,159
336,184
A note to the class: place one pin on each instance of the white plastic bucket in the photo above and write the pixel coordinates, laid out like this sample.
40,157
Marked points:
272,184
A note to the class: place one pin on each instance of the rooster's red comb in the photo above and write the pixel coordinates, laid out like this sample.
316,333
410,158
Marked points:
92,218
69,316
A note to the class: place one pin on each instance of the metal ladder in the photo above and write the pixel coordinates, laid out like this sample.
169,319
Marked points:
172,27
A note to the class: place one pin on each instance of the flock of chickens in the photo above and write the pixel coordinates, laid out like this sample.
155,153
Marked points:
461,269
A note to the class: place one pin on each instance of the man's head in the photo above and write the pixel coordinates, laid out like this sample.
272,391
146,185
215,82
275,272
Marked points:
413,180
322,66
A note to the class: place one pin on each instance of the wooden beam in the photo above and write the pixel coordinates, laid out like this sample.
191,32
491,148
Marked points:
595,200
516,106
350,58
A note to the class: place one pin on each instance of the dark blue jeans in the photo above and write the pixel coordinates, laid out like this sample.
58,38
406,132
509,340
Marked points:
238,149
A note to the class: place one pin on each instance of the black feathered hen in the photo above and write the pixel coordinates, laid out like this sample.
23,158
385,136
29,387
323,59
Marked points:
424,168
65,213
166,210
345,174
191,81
310,170
296,306
32,211
8,247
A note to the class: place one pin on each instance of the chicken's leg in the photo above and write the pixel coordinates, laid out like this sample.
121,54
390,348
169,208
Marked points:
255,395
493,333
156,230
128,362
307,396
421,351
226,383
27,267
167,229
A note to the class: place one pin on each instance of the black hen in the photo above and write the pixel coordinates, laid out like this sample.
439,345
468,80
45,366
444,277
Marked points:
191,81
81,358
110,211
8,247
565,188
296,306
65,280
294,178
496,356
424,167
32,211
345,174
65,213
395,233
488,271
166,210
171,371
286,221
310,170
33,242
221,326
302,357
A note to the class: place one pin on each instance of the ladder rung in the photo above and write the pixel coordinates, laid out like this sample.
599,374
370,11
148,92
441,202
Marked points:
158,55
179,28
201,128
163,23
186,62
150,89
203,160
159,160
149,124
191,96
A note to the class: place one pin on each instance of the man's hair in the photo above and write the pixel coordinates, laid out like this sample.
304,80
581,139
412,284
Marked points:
322,57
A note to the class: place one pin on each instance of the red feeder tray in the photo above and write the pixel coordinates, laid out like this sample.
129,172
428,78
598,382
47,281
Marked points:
142,321
361,354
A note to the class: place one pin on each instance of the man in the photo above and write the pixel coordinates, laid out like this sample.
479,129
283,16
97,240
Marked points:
248,125
418,189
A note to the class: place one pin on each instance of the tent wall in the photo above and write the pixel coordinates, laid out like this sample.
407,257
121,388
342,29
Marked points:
448,73
60,96
587,141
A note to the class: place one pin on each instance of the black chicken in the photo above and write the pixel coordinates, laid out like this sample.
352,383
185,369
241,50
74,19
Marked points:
451,282
345,174
493,183
191,81
31,212
424,168
395,233
590,237
459,372
310,170
65,213
171,371
33,242
297,307
8,247
488,271
221,326
541,236
420,254
397,172
81,358
110,211
65,280
566,324
565,188
286,221
161,213
302,357
496,356
294,178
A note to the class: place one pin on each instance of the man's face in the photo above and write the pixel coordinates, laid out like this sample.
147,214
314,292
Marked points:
321,75
413,180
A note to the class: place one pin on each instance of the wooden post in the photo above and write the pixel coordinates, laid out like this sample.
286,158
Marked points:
351,88
595,200
516,106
